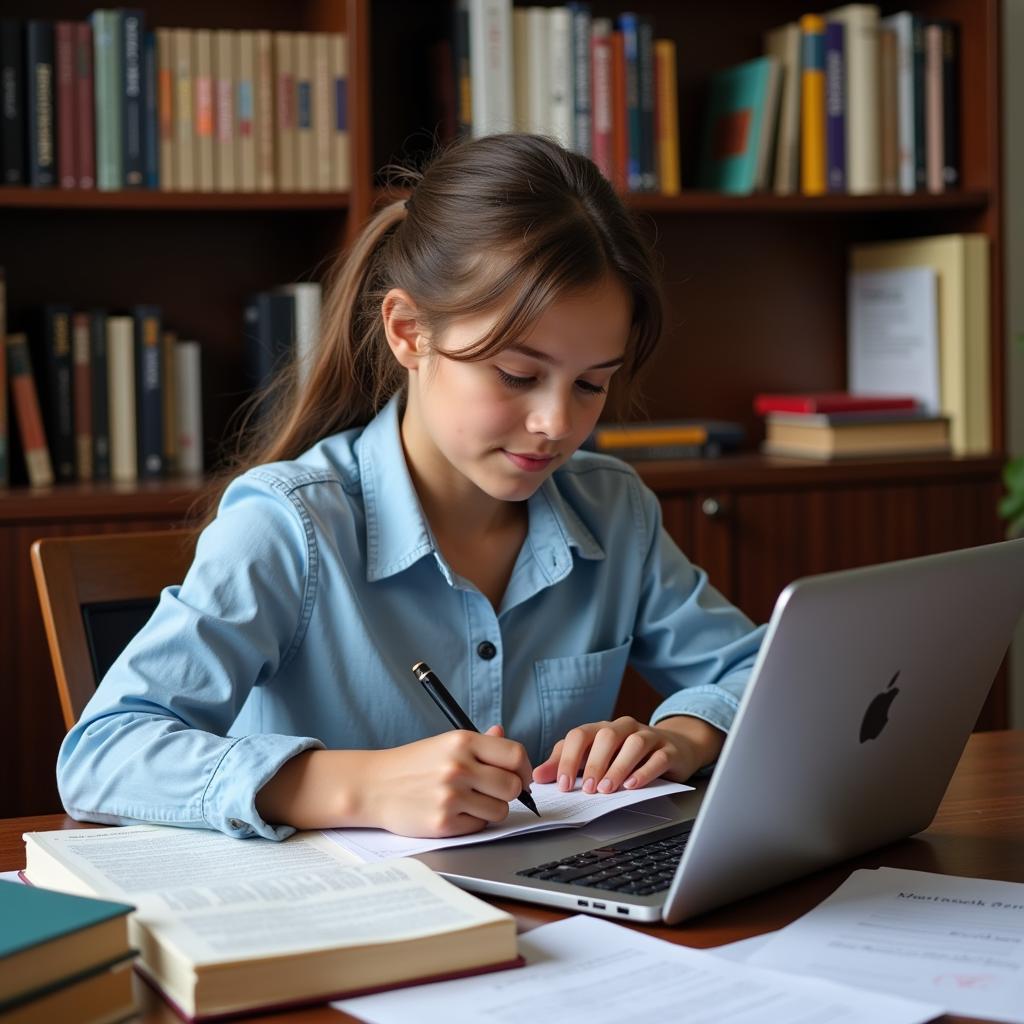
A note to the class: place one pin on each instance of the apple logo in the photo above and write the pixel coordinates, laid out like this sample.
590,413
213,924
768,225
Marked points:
877,713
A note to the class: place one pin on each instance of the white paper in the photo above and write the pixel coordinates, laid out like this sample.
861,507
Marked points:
949,940
558,810
10,876
893,338
741,950
582,970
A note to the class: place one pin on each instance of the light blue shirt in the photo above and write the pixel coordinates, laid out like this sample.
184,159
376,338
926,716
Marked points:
318,586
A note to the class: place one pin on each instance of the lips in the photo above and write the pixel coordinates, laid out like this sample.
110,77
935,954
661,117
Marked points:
529,463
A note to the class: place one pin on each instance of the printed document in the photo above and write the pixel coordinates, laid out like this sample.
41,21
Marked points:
558,810
954,941
582,970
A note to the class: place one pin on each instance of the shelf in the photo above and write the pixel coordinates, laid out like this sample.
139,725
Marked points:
104,502
18,197
713,202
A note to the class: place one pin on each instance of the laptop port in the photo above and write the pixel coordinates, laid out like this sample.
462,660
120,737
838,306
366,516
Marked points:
622,910
582,903
599,906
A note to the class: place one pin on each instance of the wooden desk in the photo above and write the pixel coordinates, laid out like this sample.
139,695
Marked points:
978,831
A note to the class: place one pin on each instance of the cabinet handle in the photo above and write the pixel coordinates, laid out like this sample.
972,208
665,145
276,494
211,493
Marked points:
712,508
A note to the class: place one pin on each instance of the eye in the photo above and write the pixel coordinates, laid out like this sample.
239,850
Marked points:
511,381
591,389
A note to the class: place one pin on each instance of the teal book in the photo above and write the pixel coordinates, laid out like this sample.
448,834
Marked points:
108,98
739,127
49,938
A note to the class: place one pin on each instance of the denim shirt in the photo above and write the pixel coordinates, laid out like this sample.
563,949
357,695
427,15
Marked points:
319,585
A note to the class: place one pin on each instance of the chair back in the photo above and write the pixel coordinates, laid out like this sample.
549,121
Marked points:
96,593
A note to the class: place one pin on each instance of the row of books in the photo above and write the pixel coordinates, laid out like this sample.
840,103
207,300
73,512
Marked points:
98,396
64,957
108,104
602,87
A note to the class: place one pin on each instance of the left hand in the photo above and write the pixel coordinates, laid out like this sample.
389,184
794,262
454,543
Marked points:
629,754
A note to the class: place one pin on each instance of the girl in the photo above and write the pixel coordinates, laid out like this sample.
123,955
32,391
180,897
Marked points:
423,498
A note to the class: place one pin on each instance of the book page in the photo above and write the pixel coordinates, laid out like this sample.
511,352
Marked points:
557,809
216,898
954,941
586,971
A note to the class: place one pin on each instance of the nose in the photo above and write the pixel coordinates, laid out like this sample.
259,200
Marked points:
550,416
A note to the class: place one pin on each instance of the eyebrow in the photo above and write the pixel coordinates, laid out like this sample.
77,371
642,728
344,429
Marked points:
545,358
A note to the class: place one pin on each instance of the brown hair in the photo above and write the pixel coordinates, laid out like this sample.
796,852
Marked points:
512,221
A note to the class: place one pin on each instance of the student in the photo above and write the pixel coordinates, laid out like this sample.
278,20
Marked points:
422,497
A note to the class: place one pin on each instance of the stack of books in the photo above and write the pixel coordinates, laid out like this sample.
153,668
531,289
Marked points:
106,104
666,439
835,425
63,957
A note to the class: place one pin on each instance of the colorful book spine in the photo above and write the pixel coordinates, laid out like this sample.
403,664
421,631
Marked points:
224,58
165,106
245,112
667,142
202,126
107,85
601,94
620,114
64,56
12,103
629,27
184,141
99,386
57,389
81,383
813,180
85,105
40,94
151,112
835,105
341,152
27,412
149,391
131,23
304,146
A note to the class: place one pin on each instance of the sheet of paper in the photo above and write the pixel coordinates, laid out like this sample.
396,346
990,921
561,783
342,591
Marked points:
10,876
742,950
582,970
557,809
893,333
954,941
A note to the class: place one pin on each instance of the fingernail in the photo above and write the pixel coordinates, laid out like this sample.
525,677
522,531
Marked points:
605,785
563,783
630,782
588,786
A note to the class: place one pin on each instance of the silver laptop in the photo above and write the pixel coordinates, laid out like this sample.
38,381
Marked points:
861,701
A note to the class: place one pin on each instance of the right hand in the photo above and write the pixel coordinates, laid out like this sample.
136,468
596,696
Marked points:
446,785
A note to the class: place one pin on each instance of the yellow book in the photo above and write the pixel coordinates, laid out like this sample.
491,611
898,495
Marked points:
608,439
812,123
322,85
667,128
961,264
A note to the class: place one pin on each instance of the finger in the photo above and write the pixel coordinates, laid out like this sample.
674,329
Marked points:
607,741
504,753
495,730
574,750
496,782
480,805
547,771
655,766
635,747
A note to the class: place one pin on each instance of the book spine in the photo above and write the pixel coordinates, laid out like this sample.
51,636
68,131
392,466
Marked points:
812,138
862,114
184,141
304,148
149,391
951,104
124,466
58,409
667,146
321,112
13,164
169,405
42,141
835,106
82,388
620,114
245,112
537,72
341,152
165,106
264,112
202,85
5,445
284,72
561,112
85,100
645,82
631,62
584,120
463,77
100,404
490,66
936,147
888,98
189,391
107,77
601,94
133,101
783,44
27,412
64,56
224,52
151,111
920,85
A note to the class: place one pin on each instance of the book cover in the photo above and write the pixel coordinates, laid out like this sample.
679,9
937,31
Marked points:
188,390
168,341
583,121
689,437
184,119
104,996
124,466
284,121
831,402
601,94
85,105
107,85
561,106
131,28
81,383
901,25
98,386
322,131
888,98
813,148
667,142
645,83
149,391
202,88
306,326
150,112
165,106
738,112
783,43
269,336
225,49
48,936
816,437
28,417
64,57
13,157
41,104
54,368
341,152
835,105
490,65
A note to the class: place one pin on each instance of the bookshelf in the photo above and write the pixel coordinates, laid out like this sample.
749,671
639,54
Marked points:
756,302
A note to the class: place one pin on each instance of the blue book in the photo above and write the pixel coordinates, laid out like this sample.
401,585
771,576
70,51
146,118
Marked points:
630,28
149,391
151,122
835,105
133,97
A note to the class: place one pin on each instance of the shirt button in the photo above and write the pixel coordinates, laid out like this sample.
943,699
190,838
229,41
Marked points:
486,650
235,823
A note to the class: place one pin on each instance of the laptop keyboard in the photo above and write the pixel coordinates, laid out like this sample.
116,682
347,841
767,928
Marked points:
640,866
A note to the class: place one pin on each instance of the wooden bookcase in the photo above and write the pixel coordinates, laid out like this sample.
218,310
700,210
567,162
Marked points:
756,301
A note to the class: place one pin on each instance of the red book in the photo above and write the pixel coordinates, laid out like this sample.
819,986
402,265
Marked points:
64,44
85,130
620,131
831,401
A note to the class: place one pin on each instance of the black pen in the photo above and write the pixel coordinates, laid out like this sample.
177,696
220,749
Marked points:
450,706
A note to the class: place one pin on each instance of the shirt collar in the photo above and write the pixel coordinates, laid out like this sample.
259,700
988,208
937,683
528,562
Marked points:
397,534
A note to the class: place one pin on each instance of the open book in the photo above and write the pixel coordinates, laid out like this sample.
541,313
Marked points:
225,925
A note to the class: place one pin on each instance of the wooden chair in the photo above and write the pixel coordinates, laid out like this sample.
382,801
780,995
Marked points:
96,593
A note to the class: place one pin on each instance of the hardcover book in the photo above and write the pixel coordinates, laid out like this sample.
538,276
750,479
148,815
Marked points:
133,97
831,401
13,162
149,391
53,347
42,103
28,416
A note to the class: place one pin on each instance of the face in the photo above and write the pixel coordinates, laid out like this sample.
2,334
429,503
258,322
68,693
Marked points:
505,423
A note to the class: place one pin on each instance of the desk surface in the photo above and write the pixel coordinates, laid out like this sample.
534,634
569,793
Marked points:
978,831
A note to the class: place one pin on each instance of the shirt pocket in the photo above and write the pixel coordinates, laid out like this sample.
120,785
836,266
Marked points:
579,689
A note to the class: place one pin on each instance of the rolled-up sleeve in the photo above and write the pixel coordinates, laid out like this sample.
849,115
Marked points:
690,643
152,744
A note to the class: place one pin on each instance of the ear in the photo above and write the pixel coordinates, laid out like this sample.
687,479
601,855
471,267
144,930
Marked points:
405,337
